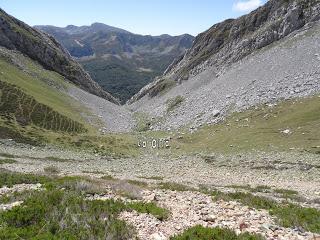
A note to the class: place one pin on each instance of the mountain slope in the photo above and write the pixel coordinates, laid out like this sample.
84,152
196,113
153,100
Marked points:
121,62
40,96
230,41
32,98
16,35
266,56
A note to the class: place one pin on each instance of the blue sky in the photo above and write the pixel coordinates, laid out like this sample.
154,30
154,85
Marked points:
146,17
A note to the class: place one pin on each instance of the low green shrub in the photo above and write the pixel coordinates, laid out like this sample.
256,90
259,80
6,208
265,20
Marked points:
8,178
201,233
288,214
7,161
151,208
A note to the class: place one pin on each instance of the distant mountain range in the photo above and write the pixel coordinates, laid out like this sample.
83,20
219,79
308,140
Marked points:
119,61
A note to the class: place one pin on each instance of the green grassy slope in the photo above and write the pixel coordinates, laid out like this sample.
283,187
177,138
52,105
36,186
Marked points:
262,129
41,84
25,110
30,100
34,108
259,128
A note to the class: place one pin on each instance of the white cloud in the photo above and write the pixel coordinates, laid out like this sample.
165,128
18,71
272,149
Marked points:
246,5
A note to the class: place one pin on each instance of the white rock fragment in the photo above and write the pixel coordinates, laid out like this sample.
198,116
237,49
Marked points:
286,131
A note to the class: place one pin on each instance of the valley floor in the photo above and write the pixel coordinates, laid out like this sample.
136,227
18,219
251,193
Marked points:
176,182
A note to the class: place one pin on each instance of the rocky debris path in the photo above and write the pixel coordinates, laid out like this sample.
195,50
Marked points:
287,171
192,208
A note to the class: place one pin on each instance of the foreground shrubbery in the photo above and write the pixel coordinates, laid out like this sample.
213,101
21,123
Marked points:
8,178
61,211
288,214
201,233
58,214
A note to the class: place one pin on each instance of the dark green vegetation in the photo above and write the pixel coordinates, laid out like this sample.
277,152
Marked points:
158,178
61,211
201,233
138,183
9,178
150,208
288,214
143,122
174,186
6,155
30,103
286,191
260,129
108,177
121,62
119,78
56,159
281,193
57,214
287,194
7,161
51,170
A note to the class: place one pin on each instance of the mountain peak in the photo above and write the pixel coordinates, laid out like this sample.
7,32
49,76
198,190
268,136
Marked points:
105,28
43,48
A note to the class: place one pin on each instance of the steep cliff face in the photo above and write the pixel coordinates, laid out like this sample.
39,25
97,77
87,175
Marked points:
232,40
16,35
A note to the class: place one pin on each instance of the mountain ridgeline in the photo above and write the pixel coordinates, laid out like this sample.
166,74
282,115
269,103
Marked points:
119,61
16,35
262,58
233,39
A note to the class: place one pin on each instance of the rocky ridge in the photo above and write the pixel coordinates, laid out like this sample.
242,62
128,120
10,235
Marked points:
285,69
16,35
232,40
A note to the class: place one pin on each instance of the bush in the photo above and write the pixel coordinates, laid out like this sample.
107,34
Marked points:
288,215
291,215
151,208
7,161
9,179
175,186
57,214
200,233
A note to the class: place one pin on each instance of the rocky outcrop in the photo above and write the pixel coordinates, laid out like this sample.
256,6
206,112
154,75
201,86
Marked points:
232,40
16,35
